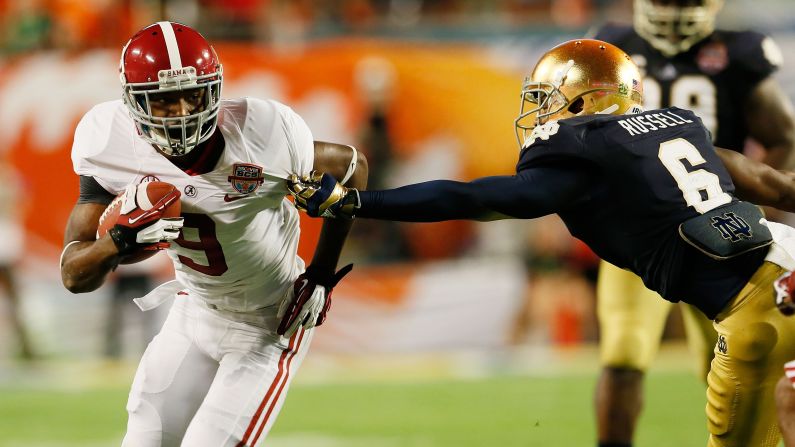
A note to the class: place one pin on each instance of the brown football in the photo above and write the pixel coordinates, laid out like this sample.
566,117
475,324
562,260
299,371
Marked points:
148,193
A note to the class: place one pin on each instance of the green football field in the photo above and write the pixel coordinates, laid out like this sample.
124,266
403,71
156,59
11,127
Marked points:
494,412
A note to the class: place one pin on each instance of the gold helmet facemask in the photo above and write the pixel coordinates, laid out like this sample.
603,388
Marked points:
673,26
579,77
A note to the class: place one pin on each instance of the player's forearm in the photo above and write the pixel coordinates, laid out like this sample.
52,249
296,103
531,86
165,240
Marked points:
432,201
86,265
781,155
531,193
335,231
759,183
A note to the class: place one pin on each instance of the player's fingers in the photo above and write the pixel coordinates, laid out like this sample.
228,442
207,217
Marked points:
173,223
307,192
315,176
295,186
292,328
170,235
298,189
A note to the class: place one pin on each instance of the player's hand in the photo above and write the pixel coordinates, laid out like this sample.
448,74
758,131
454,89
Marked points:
137,228
320,195
308,301
785,288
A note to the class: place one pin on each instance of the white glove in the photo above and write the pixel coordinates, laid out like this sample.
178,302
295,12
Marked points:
164,230
308,301
307,304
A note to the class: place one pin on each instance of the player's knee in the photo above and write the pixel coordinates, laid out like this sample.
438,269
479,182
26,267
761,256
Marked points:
752,344
144,427
628,351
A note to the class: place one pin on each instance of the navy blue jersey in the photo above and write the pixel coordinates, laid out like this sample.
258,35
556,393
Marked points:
646,192
713,78
648,173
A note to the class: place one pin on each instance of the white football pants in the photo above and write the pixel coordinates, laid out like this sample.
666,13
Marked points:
211,379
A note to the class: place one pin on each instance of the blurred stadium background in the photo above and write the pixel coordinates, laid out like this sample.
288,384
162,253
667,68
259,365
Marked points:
448,334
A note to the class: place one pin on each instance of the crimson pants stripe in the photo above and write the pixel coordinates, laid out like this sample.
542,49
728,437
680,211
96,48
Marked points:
281,388
253,424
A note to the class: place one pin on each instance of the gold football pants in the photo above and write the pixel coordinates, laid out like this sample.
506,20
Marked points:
632,319
754,342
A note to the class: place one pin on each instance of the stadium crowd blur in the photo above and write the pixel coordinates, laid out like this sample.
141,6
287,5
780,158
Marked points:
561,271
79,24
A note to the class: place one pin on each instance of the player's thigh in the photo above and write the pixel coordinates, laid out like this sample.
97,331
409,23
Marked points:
248,392
631,318
754,342
701,337
171,381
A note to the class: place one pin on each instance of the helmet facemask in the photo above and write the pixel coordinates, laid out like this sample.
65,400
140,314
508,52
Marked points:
674,26
175,135
541,100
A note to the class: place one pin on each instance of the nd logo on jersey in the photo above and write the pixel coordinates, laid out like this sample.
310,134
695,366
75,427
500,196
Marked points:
732,227
245,177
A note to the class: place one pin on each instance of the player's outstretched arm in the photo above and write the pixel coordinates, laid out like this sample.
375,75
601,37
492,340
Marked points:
530,193
771,122
759,183
86,260
310,298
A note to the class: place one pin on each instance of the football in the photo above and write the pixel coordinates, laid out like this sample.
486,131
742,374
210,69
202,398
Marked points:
147,194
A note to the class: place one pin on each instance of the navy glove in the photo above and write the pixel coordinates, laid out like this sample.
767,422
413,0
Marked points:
320,195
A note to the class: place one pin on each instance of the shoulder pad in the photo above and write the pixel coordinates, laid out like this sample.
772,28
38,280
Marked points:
755,53
552,141
278,137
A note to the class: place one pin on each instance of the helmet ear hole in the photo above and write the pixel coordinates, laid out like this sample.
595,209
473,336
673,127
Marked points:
576,106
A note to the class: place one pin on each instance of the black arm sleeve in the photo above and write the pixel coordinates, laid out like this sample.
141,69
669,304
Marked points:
92,192
531,193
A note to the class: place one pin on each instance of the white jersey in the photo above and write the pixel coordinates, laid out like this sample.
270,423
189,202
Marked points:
238,246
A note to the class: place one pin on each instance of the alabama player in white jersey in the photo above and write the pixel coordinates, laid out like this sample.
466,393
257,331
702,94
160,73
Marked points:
245,306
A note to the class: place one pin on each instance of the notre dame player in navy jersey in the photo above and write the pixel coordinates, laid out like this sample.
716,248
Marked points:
725,78
648,192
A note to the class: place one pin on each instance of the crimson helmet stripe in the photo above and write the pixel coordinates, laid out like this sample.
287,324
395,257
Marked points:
171,44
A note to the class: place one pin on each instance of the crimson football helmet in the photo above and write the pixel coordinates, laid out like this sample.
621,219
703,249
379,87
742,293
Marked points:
164,61
578,77
673,26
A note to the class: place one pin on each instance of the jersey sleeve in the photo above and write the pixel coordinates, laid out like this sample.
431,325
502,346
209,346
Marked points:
756,54
554,142
89,148
300,142
92,192
531,193
283,139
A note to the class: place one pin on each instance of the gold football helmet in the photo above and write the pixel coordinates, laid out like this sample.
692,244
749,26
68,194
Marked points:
578,77
673,26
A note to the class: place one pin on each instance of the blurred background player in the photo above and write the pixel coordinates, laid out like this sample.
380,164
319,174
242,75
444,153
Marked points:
128,282
217,372
725,77
12,239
